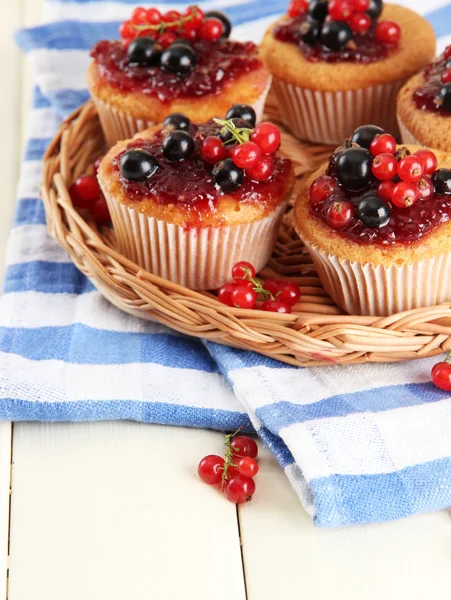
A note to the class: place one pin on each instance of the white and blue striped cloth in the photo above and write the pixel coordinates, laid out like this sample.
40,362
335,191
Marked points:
359,443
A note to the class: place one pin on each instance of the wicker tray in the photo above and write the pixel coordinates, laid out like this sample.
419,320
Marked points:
316,333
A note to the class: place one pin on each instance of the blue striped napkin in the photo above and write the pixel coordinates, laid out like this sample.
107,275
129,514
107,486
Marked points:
359,443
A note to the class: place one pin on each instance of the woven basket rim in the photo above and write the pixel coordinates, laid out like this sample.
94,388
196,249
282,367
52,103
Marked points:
316,333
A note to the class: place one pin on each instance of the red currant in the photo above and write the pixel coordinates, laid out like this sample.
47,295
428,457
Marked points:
167,39
171,16
225,293
211,30
272,285
247,467
213,150
446,76
382,144
85,189
288,292
267,136
127,31
153,16
246,155
188,33
429,160
297,8
263,170
361,6
243,297
139,16
384,166
425,188
385,189
322,188
242,445
340,10
277,306
210,469
196,16
152,33
242,270
447,52
340,214
411,168
441,376
388,33
360,22
99,210
404,194
240,489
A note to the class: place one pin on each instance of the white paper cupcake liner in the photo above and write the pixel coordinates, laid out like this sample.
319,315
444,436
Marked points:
119,126
406,136
366,289
197,258
331,117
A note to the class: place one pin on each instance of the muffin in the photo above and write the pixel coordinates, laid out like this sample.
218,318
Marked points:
424,106
189,201
173,63
331,75
376,220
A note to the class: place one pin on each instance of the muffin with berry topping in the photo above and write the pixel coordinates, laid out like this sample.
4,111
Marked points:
377,222
338,64
173,63
424,105
188,201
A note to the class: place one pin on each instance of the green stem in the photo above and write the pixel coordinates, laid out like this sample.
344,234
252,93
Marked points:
228,459
239,134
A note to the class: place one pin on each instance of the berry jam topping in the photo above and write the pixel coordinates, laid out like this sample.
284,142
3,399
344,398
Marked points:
435,93
191,165
375,193
174,55
339,30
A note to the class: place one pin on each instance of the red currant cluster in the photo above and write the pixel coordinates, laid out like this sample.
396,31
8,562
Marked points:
86,194
235,472
165,28
342,19
441,374
272,295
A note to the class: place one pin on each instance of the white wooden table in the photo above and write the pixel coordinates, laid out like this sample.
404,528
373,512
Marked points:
115,511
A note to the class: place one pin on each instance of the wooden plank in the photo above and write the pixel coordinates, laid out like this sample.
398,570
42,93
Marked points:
5,471
286,557
115,510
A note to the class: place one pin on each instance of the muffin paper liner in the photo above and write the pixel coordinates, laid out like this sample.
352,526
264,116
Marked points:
331,117
119,126
367,289
197,258
406,136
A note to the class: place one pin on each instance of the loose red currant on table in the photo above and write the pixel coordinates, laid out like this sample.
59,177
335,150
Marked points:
210,469
246,155
213,150
211,30
388,33
267,137
322,188
242,445
340,214
425,188
277,306
288,292
411,168
225,293
360,22
341,10
240,489
242,270
384,166
383,144
85,189
429,160
297,8
385,189
244,297
247,467
441,374
263,170
404,194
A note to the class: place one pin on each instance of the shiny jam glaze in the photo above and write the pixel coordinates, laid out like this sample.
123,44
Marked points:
217,63
363,49
189,183
406,225
425,97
